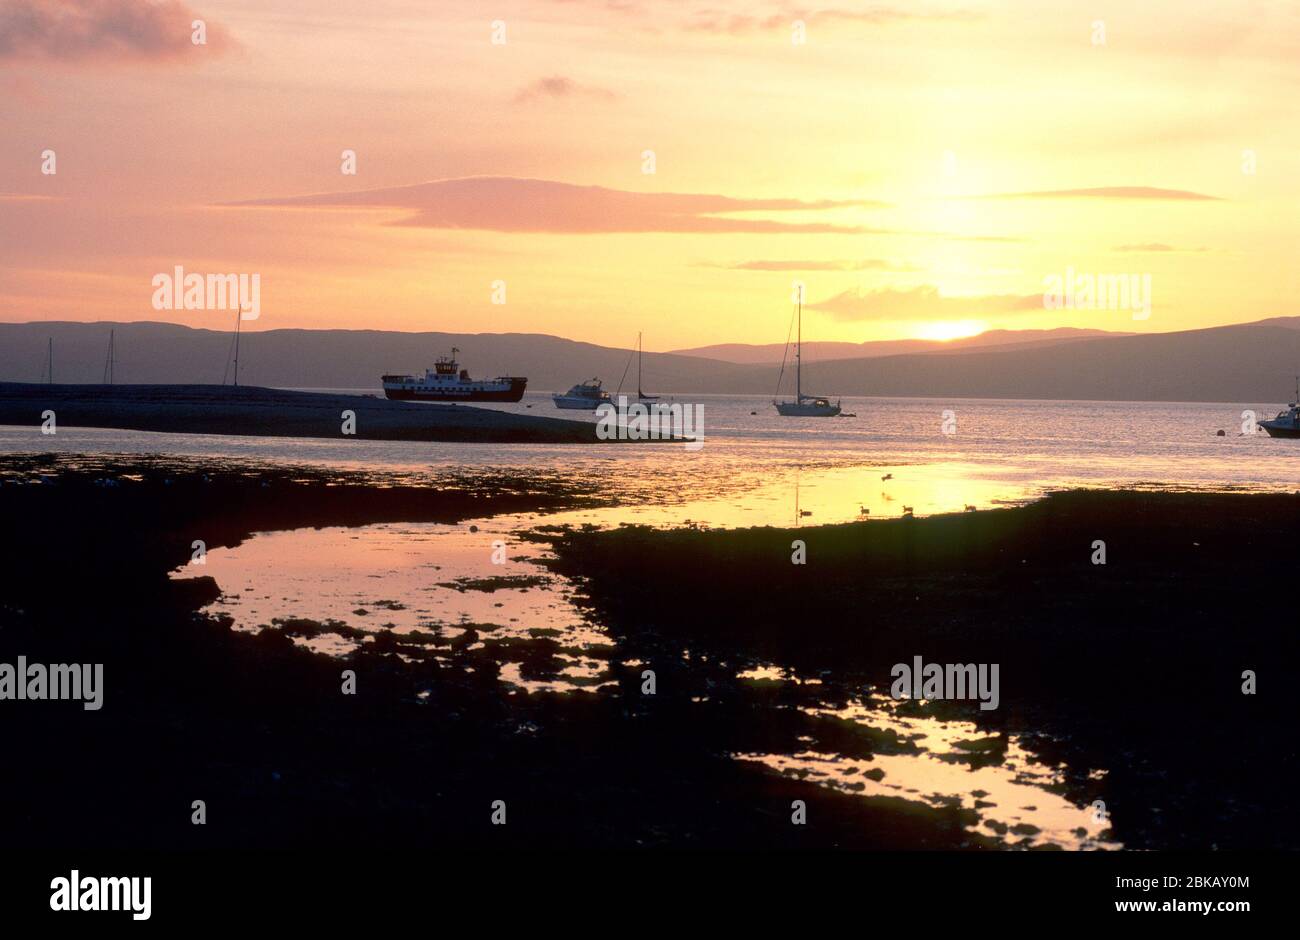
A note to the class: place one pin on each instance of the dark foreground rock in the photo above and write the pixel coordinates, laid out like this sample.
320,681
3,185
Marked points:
1133,666
258,729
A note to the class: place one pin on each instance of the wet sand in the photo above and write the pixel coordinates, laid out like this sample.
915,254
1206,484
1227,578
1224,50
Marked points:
266,412
1133,667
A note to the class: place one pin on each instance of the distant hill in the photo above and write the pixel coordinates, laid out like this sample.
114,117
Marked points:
1252,363
168,352
821,351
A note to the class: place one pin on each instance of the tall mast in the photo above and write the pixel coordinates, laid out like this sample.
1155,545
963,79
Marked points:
238,318
108,360
798,353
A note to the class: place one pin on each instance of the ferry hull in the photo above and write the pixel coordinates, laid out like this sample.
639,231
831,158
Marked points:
514,392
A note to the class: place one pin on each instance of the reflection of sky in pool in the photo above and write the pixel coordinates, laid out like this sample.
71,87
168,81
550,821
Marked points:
423,580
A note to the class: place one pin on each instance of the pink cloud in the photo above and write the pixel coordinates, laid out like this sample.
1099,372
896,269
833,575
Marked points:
1107,192
560,86
510,204
736,24
74,31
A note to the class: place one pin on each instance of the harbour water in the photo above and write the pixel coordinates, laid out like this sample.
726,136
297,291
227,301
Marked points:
941,456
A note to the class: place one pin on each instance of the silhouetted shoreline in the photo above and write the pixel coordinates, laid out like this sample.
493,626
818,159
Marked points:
1133,667
267,412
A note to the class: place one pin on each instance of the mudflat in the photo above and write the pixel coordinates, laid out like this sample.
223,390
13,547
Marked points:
1133,668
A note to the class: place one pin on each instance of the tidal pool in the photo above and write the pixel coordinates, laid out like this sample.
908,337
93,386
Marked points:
457,587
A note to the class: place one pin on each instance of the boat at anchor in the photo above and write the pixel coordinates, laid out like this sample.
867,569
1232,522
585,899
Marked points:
803,406
1287,422
585,396
447,382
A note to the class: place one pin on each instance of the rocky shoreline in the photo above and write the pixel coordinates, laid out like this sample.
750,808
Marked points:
1133,667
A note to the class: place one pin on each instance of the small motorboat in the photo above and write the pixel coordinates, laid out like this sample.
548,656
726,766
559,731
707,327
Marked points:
585,396
1287,422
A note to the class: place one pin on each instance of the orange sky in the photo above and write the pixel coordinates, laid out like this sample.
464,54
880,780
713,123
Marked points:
923,168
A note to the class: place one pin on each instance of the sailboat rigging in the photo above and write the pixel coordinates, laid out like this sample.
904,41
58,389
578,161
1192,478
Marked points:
109,360
641,396
803,406
47,367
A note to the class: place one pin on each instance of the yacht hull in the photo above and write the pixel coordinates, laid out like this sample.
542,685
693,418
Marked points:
791,409
566,403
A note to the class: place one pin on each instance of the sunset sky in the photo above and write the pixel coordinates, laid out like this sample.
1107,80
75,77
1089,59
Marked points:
921,166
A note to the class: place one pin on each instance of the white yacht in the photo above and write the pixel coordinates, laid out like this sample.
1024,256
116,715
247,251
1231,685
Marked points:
585,396
1287,422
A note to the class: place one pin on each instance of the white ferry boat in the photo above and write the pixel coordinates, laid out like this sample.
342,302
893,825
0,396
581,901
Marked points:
445,383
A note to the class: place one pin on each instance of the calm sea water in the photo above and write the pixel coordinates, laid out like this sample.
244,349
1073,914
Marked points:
758,468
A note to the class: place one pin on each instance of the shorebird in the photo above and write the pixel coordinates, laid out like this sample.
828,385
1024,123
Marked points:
887,476
970,508
907,510
863,511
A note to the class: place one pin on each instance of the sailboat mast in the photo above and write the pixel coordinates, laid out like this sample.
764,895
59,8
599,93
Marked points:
798,353
108,360
639,393
238,318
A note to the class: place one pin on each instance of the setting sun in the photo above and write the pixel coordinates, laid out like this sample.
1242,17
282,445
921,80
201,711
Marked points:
943,330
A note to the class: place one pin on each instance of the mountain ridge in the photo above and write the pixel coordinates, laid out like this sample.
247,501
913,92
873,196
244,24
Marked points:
1251,362
754,354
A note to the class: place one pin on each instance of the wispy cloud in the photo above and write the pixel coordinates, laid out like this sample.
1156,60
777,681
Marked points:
103,31
559,87
511,204
1105,192
739,24
1153,247
866,264
923,302
26,197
